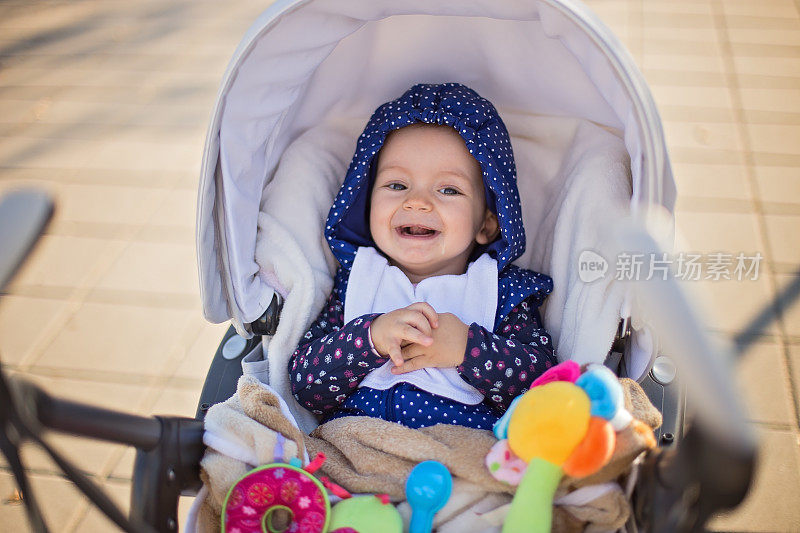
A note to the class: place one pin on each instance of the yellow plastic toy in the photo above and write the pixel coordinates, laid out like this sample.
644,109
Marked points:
554,429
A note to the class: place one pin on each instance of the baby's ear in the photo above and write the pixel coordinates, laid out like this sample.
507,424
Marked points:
489,230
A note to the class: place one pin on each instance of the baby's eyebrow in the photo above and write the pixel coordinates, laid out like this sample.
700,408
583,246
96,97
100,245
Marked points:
391,167
454,172
465,178
449,172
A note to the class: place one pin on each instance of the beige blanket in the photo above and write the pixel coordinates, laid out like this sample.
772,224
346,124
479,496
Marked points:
369,455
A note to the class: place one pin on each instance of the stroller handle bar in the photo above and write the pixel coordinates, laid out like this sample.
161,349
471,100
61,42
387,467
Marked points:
41,409
27,211
167,462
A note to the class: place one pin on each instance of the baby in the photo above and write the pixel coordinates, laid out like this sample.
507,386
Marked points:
428,321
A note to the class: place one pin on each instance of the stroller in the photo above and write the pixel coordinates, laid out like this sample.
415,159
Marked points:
590,152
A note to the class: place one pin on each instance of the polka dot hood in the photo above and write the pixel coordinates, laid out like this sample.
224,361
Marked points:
486,138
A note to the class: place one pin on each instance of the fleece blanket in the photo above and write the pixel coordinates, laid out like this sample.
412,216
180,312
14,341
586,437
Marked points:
367,455
574,181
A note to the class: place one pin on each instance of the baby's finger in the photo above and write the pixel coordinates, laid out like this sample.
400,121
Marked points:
410,365
412,334
419,321
427,310
412,350
396,355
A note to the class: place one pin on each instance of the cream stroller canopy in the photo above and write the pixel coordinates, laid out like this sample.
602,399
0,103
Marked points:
308,74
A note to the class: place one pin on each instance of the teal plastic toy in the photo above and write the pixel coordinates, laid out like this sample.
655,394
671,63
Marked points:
427,490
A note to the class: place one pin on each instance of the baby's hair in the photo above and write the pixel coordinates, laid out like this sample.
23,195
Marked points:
415,125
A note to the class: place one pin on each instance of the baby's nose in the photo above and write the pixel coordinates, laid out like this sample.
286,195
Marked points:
417,200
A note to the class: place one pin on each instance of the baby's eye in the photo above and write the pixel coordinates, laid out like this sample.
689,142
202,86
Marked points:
449,191
395,186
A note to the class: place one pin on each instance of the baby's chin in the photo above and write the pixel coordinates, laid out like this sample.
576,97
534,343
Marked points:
422,268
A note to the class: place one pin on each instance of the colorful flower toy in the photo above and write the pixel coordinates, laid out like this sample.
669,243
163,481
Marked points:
252,502
564,424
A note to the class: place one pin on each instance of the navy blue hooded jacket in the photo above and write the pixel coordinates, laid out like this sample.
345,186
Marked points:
334,357
486,138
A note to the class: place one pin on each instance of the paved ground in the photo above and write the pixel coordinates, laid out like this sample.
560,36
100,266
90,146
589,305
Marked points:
105,104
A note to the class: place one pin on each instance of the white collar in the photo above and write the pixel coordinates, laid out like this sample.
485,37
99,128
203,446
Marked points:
375,286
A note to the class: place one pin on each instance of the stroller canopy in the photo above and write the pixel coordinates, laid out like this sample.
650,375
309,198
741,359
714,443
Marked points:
307,62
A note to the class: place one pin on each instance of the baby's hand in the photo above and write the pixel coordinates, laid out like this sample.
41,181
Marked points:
446,350
413,324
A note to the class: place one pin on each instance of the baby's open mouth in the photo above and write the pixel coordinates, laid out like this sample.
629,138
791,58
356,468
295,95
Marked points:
415,230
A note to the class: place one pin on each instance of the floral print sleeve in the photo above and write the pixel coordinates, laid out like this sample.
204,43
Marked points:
332,359
503,364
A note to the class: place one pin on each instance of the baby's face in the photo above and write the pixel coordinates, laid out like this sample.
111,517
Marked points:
428,209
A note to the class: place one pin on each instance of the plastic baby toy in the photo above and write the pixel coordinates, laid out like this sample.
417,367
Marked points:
565,423
253,502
